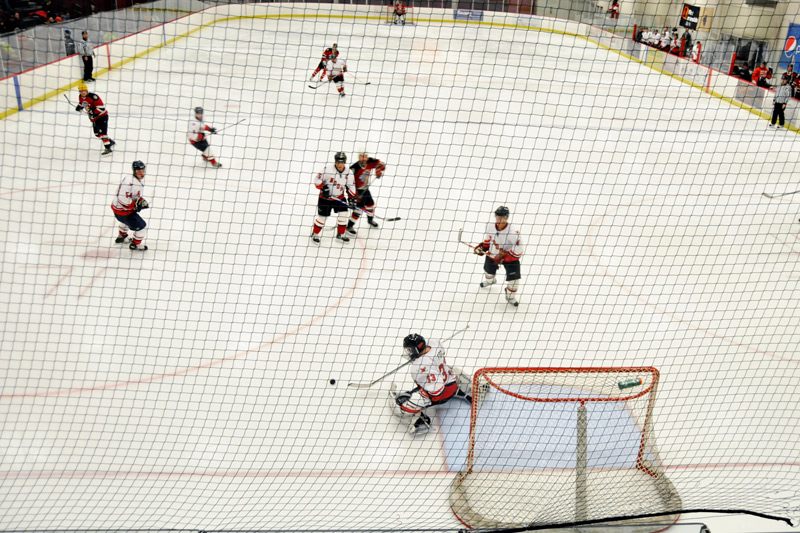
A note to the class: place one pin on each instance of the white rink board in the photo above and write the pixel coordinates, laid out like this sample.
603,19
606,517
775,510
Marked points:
150,391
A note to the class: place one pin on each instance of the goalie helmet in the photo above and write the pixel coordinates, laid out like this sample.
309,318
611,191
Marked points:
502,211
340,157
138,165
413,345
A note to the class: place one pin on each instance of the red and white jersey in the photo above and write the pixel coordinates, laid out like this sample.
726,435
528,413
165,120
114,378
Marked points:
363,175
399,9
430,371
339,183
336,69
329,53
197,129
505,240
128,193
93,105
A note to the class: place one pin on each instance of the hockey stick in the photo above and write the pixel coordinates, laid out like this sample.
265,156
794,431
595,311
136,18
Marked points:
779,195
320,84
371,383
359,80
464,242
392,219
70,103
230,125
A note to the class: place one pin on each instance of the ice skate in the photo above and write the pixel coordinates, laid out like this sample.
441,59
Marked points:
216,165
420,426
107,151
487,282
138,247
315,239
342,238
511,298
121,239
351,228
371,222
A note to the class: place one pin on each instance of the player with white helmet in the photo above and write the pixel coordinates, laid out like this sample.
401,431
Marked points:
197,137
336,68
435,382
127,204
502,245
337,193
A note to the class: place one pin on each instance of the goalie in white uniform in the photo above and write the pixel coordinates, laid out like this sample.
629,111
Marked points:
436,383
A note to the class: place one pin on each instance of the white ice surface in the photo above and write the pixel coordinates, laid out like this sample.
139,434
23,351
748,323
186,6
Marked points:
187,387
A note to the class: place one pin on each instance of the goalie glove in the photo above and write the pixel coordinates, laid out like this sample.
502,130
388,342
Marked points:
478,250
141,203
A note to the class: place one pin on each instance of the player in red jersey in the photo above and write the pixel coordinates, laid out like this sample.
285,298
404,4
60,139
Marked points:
98,115
399,13
326,56
363,171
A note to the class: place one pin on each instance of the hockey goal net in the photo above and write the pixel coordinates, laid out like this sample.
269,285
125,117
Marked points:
388,15
562,445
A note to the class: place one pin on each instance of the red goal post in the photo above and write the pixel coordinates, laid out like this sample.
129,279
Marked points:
552,446
388,14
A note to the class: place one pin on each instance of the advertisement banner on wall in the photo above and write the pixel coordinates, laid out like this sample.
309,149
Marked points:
706,14
789,54
689,17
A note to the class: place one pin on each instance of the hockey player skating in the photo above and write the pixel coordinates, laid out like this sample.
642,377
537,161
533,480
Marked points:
326,56
435,382
362,173
502,246
197,137
126,206
399,13
336,70
337,193
98,115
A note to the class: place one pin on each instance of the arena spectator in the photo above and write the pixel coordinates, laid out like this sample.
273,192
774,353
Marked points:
687,46
761,75
655,38
69,43
792,78
675,45
665,41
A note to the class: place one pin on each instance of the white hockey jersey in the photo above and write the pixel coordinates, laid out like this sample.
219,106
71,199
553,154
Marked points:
339,183
128,193
506,240
336,69
430,371
197,129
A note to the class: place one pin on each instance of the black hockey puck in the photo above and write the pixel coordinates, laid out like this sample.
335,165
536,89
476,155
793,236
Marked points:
333,382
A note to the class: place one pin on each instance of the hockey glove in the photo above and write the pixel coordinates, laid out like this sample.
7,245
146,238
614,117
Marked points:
478,250
212,131
141,203
351,203
500,258
325,191
79,108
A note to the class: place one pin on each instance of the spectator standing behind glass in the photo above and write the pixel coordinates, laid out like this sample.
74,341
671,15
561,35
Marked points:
791,76
86,51
614,9
761,75
69,44
782,95
687,47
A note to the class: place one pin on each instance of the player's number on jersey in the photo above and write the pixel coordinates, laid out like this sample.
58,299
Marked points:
442,370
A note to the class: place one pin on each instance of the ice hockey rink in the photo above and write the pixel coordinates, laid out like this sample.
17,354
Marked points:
188,387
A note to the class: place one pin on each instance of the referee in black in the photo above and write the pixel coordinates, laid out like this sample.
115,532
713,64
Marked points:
782,95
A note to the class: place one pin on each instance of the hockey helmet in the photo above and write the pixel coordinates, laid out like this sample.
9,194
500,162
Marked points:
198,110
340,157
334,46
138,165
82,87
413,345
502,211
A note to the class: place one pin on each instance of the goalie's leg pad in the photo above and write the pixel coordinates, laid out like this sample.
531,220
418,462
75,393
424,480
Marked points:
464,381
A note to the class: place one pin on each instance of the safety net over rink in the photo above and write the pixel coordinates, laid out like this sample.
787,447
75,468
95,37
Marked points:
617,345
